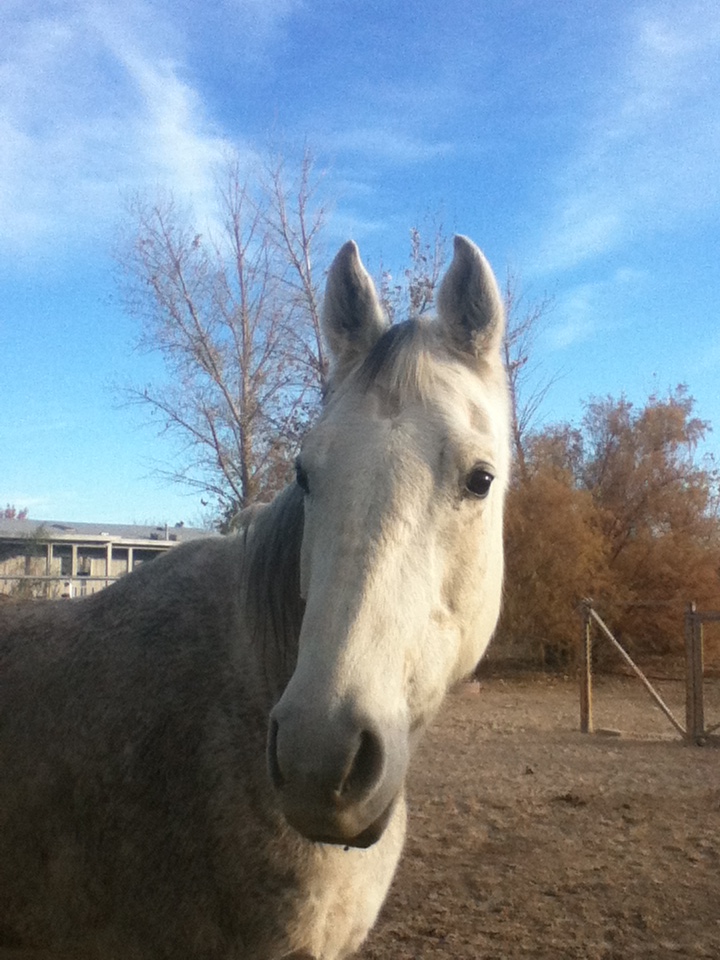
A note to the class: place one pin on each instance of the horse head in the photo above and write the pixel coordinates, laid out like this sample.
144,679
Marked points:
404,478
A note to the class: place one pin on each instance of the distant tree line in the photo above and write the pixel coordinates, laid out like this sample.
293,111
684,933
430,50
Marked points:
619,507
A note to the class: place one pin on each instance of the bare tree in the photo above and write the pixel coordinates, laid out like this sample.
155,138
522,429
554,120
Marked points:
233,309
233,312
411,293
295,224
527,393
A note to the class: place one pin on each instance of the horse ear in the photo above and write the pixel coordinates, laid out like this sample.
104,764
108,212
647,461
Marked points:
469,303
353,319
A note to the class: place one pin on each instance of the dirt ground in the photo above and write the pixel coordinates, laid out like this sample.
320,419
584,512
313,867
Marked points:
528,839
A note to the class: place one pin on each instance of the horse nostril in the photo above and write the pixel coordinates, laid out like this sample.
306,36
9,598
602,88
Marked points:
276,776
365,768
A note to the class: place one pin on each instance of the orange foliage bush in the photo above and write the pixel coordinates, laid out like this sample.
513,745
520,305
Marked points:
618,509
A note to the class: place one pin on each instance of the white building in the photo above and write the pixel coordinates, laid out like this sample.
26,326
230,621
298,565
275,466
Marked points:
47,558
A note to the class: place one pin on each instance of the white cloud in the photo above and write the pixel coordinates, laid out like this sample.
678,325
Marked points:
172,139
576,317
386,142
647,159
262,21
393,122
587,309
91,105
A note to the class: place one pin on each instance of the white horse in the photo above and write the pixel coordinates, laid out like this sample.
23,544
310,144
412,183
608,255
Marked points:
206,761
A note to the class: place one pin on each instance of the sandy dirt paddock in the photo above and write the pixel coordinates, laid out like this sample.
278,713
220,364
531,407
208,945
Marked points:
528,839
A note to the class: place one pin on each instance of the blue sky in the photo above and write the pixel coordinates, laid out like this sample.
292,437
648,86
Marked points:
577,143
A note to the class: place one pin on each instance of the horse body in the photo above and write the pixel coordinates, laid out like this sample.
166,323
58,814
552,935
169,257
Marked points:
207,759
137,817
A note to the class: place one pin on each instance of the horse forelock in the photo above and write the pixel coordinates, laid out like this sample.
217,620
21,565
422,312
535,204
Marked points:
400,361
412,361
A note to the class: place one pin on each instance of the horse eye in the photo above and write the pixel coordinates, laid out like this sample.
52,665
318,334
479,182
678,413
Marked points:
478,482
301,477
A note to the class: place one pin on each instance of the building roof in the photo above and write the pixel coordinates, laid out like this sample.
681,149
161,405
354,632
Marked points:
98,532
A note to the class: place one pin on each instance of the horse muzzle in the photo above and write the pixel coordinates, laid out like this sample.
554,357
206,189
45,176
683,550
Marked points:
337,778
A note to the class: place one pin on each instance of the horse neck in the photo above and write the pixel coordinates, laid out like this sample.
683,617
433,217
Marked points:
273,606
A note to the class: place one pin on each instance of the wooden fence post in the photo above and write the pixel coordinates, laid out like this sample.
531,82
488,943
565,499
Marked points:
694,706
585,666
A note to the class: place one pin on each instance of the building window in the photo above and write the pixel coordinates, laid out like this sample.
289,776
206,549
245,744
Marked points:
63,554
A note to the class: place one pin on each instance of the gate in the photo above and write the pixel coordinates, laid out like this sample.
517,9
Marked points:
695,729
590,617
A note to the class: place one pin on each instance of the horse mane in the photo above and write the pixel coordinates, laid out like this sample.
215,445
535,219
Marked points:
272,537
